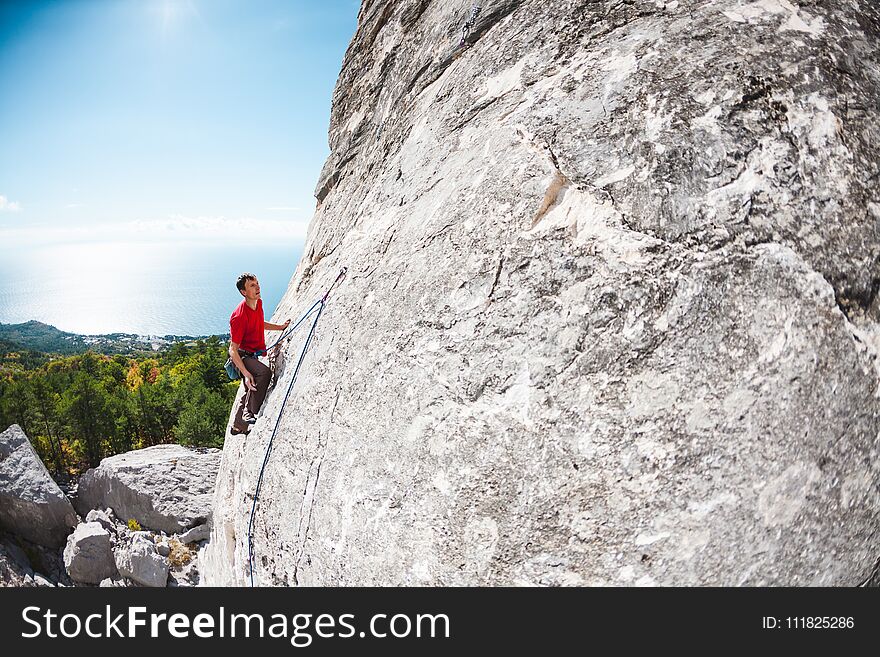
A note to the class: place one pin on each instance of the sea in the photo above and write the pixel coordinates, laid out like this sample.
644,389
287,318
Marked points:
151,288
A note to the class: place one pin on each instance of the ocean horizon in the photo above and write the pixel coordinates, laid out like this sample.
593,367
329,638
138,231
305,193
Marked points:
150,288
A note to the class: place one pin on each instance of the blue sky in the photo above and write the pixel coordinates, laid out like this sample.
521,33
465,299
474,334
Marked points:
141,119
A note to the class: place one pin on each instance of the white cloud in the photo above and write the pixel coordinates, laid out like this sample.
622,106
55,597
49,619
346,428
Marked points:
8,206
173,228
182,226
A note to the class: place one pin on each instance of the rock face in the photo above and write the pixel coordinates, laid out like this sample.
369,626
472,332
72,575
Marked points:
166,487
611,307
31,504
88,556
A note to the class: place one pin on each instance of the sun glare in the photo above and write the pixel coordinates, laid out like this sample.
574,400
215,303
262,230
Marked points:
172,13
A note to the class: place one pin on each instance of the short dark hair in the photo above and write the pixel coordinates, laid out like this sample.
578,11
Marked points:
244,278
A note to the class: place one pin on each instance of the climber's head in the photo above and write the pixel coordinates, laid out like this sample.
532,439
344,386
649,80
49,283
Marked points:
248,285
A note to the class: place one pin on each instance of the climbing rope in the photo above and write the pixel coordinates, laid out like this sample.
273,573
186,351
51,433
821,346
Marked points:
284,335
319,307
469,23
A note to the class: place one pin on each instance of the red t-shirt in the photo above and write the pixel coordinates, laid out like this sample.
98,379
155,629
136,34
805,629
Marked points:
246,326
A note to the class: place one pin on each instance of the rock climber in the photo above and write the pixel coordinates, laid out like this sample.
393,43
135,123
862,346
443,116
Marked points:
247,338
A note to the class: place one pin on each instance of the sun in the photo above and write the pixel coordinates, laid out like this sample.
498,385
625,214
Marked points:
172,13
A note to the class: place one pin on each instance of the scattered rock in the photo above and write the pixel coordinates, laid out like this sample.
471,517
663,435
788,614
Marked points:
39,580
113,582
31,503
88,556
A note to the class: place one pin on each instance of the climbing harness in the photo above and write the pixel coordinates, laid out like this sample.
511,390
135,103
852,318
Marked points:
318,307
469,23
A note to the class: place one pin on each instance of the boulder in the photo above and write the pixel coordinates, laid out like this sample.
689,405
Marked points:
165,488
137,559
31,503
105,518
88,556
196,534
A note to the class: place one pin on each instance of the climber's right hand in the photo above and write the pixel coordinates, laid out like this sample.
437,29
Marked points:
249,380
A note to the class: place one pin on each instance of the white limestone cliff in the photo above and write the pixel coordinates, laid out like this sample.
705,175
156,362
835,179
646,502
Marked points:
611,306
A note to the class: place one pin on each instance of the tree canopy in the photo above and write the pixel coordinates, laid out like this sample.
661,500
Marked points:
79,409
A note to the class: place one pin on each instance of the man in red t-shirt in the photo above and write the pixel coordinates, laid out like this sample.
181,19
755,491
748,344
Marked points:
246,328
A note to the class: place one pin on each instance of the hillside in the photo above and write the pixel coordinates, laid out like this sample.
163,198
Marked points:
39,337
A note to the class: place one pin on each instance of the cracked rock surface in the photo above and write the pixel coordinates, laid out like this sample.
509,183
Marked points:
165,487
611,307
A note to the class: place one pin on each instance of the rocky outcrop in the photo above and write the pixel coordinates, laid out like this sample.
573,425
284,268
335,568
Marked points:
31,504
104,551
88,556
165,488
611,307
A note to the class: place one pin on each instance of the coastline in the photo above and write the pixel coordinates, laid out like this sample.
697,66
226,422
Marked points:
38,336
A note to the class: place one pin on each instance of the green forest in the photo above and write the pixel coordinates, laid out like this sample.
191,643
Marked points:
78,409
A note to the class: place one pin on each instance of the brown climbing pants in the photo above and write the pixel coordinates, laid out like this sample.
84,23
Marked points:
251,401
